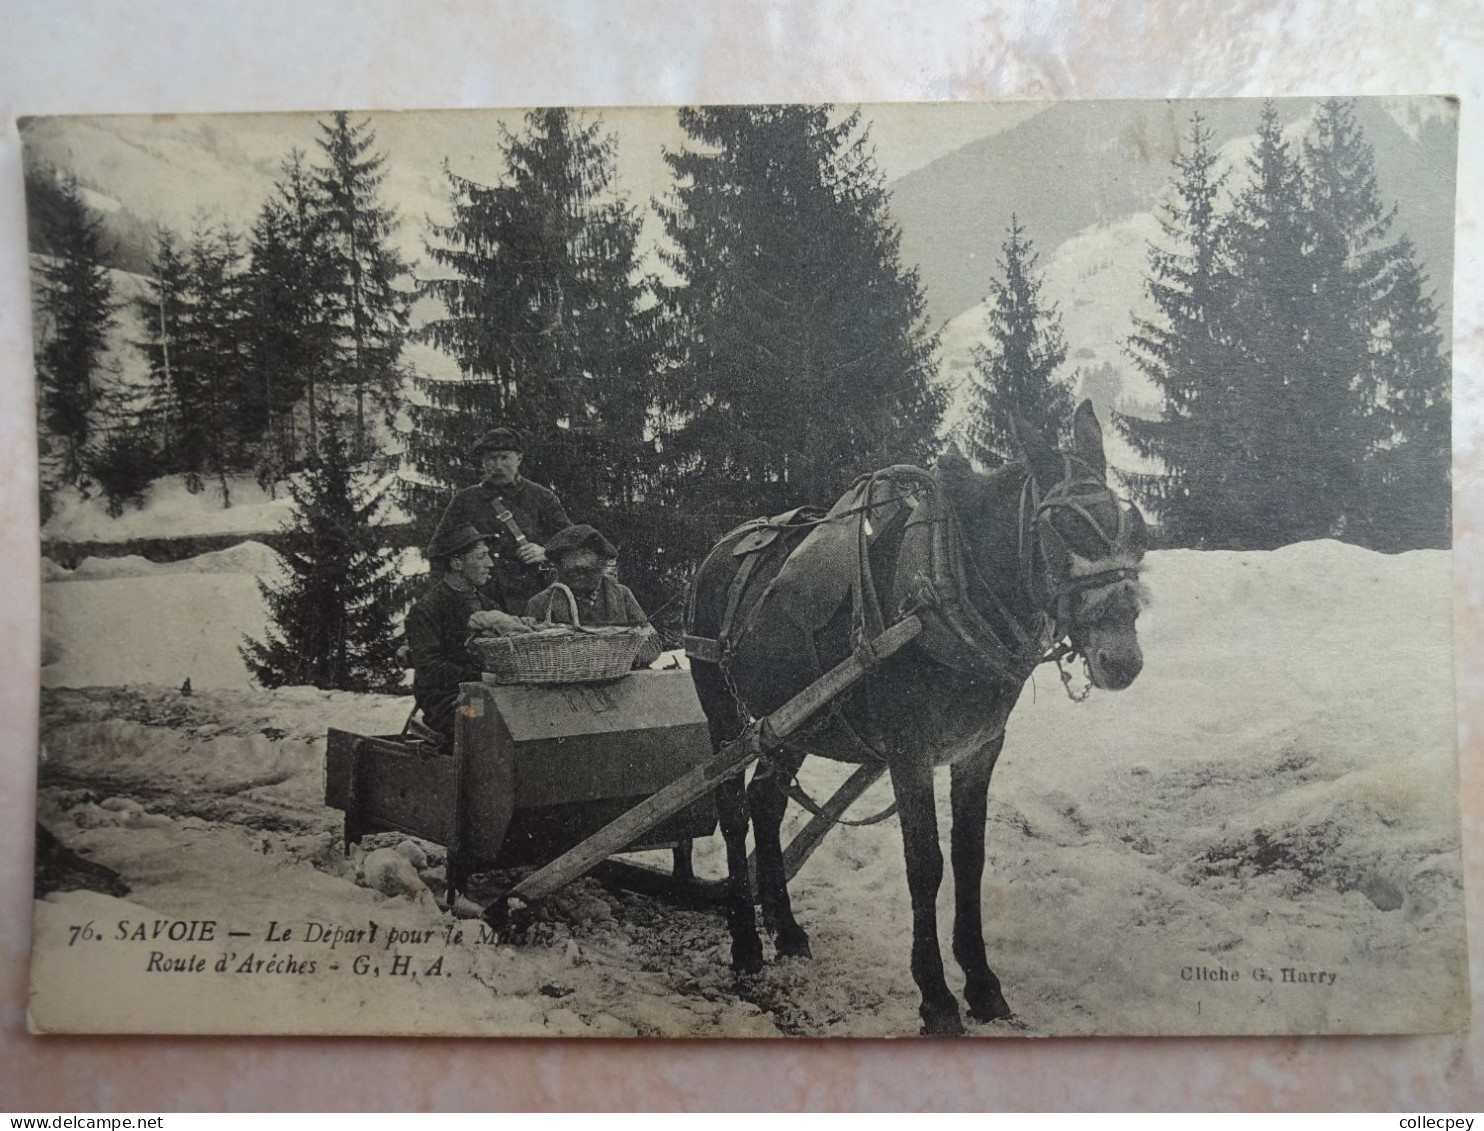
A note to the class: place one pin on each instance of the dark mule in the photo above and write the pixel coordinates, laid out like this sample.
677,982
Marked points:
999,568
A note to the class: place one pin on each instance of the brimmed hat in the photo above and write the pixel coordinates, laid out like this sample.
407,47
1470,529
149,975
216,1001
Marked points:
579,537
447,543
499,440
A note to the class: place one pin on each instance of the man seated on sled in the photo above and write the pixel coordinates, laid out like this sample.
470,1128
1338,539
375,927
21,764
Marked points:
459,599
581,556
584,562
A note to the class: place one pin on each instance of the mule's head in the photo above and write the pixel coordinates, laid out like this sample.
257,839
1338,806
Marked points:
1089,551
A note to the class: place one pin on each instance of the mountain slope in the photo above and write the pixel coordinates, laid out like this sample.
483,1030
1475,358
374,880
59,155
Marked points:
1069,168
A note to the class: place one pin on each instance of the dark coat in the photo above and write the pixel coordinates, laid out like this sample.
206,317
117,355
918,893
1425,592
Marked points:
437,631
611,604
538,513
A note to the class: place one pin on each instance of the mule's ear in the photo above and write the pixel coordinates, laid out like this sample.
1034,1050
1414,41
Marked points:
953,459
1136,534
1087,439
1042,460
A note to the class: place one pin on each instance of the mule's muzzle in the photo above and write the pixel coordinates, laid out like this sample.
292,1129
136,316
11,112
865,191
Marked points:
1113,669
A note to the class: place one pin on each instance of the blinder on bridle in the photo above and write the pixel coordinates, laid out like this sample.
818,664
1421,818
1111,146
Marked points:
1079,491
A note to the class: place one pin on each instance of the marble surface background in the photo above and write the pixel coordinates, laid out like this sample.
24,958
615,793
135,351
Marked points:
175,56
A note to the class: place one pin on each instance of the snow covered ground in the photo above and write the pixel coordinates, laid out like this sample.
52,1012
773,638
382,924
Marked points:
1276,792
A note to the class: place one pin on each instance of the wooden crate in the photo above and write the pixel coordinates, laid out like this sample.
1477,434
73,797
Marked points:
534,770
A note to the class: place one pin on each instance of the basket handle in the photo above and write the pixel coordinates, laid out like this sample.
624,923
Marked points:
571,602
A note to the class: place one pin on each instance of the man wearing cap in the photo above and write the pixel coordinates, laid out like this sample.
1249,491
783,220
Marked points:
581,554
438,625
516,516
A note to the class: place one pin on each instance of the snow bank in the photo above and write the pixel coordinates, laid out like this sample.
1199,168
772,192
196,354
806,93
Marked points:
171,511
127,620
245,557
151,630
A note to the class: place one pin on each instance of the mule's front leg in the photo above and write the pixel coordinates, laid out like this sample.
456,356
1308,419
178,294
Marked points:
969,794
767,798
731,812
912,781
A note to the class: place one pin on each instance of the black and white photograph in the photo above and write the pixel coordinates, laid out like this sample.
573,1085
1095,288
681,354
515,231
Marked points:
817,570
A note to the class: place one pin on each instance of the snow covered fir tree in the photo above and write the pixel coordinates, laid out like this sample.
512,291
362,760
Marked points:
1016,368
334,615
1289,328
75,307
798,351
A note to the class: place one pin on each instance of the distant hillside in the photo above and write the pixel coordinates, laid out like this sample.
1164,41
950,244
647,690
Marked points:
953,212
143,174
140,173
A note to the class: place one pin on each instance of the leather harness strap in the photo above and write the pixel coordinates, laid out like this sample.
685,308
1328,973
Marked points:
507,520
734,596
944,589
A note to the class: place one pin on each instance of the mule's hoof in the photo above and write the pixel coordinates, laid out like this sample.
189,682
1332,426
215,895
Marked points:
793,943
510,919
990,1008
941,1023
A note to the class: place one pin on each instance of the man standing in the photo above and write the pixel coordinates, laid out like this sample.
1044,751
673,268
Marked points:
515,516
438,625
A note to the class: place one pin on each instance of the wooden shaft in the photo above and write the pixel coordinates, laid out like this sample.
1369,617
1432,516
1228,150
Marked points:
798,710
747,747
807,840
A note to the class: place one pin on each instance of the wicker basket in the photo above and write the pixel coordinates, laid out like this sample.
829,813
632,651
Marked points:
564,653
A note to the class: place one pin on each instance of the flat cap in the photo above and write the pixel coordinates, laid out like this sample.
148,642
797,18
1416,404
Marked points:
499,440
579,537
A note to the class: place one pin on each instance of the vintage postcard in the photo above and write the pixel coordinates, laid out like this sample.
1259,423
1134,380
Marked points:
748,571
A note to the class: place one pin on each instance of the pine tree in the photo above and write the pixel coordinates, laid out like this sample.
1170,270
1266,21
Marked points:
1349,261
75,311
548,316
208,364
159,313
369,306
48,206
334,614
1015,370
1304,377
1408,481
289,331
1183,351
124,465
123,456
798,352
1275,465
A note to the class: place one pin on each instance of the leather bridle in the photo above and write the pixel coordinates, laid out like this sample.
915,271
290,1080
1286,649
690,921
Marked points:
1052,586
